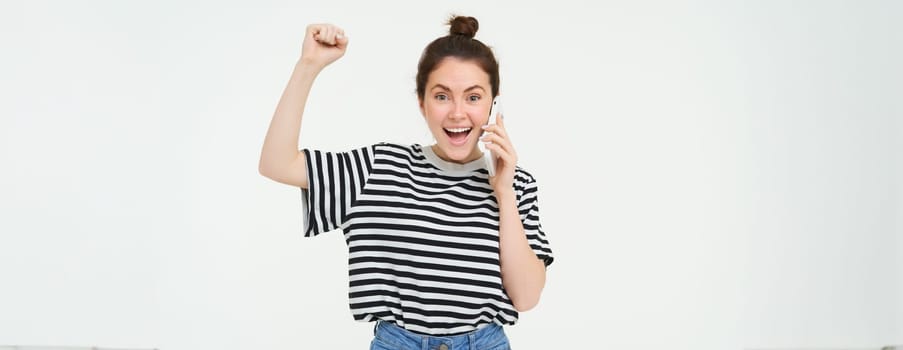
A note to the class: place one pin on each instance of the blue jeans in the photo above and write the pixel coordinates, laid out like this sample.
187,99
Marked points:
388,336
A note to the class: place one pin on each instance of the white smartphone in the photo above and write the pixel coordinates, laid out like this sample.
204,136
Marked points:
488,157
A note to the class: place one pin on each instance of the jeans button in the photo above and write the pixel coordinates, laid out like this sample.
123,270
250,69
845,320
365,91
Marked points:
443,347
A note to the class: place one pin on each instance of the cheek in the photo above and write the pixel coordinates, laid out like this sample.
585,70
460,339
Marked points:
480,115
435,113
433,118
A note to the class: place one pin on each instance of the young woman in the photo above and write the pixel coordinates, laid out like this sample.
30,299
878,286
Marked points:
441,255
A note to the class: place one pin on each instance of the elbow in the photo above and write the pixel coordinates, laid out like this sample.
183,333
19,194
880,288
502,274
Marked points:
263,170
266,170
525,304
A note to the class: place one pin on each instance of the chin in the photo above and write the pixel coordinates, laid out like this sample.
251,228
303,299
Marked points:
457,154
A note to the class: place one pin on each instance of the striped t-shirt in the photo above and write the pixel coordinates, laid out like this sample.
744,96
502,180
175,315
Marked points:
422,235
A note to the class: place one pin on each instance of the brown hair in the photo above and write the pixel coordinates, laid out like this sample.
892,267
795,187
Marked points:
459,43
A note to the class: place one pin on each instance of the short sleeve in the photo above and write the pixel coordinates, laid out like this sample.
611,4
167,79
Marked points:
528,207
334,182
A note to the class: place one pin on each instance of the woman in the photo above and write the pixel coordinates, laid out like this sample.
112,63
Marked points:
441,254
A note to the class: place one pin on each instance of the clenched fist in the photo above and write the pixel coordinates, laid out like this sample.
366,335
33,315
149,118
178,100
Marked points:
323,44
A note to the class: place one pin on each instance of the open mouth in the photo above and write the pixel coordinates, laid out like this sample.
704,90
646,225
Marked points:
458,136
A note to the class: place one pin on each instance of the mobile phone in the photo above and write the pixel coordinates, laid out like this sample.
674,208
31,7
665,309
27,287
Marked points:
488,157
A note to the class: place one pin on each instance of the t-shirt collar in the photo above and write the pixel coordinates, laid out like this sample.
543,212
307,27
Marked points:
440,163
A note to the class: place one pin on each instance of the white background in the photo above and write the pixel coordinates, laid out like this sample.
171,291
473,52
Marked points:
712,175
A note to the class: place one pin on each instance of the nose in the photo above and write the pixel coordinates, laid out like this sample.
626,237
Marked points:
458,112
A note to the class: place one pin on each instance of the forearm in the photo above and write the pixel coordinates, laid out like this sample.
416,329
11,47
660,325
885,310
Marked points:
523,274
280,147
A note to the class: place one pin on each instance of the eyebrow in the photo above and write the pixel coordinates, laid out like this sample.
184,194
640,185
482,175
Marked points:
443,87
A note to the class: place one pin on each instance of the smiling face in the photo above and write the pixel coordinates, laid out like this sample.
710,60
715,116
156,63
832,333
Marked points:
455,105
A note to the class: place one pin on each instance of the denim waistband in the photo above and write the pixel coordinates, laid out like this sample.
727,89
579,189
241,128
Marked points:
488,337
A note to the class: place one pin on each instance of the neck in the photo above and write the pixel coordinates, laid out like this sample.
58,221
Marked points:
474,155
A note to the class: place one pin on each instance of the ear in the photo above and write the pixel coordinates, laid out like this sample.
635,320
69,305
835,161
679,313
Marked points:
420,105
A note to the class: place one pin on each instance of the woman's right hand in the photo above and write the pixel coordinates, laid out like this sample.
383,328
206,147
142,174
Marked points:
323,44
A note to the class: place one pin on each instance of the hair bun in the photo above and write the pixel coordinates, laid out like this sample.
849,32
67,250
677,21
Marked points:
463,25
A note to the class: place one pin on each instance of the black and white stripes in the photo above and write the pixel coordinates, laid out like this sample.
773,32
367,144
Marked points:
422,235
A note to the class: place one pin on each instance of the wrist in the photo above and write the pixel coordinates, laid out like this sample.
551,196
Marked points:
505,194
307,65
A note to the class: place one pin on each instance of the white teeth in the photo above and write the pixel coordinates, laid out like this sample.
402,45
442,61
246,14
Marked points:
457,129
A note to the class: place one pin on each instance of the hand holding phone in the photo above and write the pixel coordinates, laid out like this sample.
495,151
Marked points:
488,157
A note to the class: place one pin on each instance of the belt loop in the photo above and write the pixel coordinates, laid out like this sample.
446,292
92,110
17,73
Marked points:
426,342
375,326
472,337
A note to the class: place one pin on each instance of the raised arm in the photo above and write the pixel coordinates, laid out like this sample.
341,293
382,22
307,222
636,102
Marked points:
280,159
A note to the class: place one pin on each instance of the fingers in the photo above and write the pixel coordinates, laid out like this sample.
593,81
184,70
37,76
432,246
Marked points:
498,128
498,138
340,38
501,152
327,34
496,134
333,30
313,31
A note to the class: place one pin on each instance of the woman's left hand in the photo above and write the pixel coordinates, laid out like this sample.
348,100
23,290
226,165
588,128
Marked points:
496,141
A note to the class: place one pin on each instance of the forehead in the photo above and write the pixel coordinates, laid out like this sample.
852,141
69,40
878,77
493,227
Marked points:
458,74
